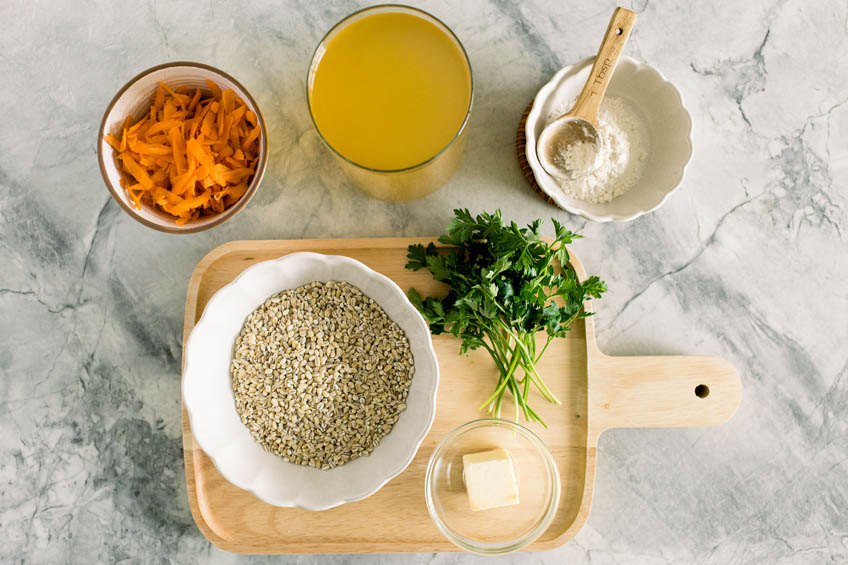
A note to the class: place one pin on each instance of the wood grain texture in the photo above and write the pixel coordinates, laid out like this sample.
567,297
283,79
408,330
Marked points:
598,392
615,38
523,164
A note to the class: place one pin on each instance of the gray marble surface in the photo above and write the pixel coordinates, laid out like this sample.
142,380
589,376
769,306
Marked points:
747,261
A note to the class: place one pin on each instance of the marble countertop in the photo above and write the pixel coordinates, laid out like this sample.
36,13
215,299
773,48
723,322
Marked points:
746,261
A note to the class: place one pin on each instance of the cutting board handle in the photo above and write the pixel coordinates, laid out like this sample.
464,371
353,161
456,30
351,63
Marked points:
663,391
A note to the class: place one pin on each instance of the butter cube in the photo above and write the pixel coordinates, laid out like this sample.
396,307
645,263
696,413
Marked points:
490,479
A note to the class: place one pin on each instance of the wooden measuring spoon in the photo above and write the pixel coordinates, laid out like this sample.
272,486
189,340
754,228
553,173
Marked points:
579,127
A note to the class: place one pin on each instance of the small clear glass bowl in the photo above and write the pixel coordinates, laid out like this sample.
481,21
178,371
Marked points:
499,530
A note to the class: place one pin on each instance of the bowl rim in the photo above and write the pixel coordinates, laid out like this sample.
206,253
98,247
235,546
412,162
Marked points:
528,538
431,393
530,153
226,214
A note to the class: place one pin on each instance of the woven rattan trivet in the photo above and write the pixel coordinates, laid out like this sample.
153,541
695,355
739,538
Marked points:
521,149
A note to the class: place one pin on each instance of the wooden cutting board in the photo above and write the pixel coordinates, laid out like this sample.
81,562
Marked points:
598,392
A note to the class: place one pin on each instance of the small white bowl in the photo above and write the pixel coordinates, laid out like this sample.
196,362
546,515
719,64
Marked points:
669,129
134,100
209,401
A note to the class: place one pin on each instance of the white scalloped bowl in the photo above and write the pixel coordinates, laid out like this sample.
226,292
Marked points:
670,132
208,395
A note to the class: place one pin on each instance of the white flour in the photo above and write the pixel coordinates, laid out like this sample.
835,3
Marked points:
579,156
622,154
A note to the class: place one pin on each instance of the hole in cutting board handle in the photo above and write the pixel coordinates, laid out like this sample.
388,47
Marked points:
619,31
702,391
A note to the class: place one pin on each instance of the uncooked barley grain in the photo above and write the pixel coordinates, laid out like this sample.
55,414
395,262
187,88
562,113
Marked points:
320,374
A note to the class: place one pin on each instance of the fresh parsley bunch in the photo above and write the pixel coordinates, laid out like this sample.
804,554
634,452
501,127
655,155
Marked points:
506,285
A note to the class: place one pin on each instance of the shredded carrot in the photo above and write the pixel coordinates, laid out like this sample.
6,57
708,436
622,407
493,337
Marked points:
251,137
216,90
194,100
136,170
191,155
111,140
178,148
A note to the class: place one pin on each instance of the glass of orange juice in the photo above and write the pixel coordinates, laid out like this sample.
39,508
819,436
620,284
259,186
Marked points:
390,93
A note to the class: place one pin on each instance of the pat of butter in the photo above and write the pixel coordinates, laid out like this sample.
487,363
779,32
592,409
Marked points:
490,479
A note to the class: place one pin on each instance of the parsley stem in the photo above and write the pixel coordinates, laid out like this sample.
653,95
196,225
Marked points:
515,338
505,380
543,388
495,357
537,379
545,348
518,401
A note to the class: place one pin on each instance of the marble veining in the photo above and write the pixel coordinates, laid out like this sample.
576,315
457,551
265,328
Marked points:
746,261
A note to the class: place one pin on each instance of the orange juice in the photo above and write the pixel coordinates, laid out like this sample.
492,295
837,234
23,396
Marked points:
390,90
